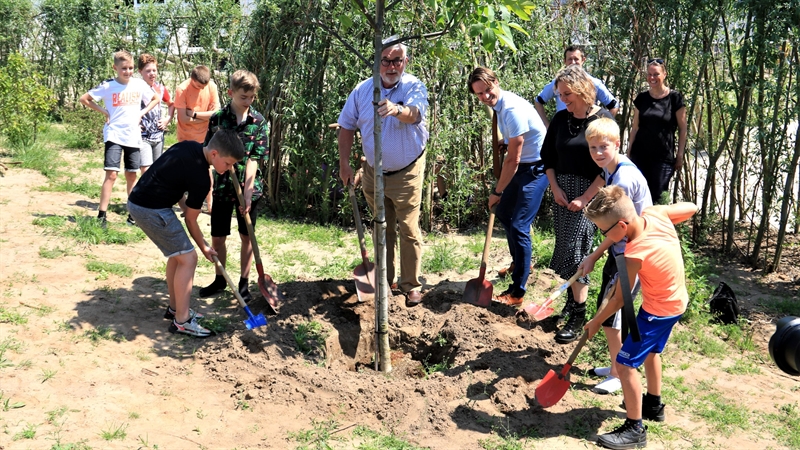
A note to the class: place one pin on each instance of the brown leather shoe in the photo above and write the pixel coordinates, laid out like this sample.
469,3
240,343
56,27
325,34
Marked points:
413,298
504,272
507,299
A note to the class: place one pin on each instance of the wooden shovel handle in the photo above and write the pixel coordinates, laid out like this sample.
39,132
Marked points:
359,227
250,231
556,293
487,243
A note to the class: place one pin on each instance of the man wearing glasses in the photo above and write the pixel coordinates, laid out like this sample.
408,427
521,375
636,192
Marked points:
404,101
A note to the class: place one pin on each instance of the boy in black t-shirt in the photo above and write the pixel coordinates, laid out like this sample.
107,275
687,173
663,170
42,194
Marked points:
182,169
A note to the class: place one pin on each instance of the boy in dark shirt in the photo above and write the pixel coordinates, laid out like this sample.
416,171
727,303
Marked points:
182,169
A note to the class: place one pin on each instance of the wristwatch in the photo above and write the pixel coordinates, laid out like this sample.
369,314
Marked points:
399,110
494,192
194,116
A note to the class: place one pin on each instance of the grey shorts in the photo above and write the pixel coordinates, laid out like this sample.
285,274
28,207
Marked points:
150,151
163,228
113,157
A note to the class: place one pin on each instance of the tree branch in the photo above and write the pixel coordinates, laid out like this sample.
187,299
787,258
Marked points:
392,5
370,19
345,43
416,36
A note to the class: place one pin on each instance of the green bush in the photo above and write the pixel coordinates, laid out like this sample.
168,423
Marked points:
24,101
84,128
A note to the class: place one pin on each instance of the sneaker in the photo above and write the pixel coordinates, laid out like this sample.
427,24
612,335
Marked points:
574,327
245,293
212,289
653,413
170,314
626,436
608,386
131,221
103,222
190,327
600,371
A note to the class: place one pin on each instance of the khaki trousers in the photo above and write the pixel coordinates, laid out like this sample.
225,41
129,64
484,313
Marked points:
402,199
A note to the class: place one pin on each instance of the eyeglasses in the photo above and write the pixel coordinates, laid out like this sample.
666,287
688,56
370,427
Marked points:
655,60
392,62
604,232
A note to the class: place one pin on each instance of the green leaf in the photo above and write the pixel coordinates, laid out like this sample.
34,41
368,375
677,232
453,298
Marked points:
507,41
488,39
519,28
345,21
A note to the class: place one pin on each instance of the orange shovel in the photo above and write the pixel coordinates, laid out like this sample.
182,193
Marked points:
554,386
544,311
478,291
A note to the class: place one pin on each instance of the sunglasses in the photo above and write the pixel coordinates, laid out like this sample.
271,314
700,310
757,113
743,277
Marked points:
604,232
655,60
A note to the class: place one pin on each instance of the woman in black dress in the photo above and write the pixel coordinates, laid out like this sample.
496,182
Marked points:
658,112
574,179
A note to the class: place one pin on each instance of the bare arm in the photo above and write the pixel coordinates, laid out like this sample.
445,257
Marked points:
558,193
580,202
634,129
510,165
587,265
197,235
676,212
87,101
542,113
345,139
409,115
680,115
615,302
153,102
250,169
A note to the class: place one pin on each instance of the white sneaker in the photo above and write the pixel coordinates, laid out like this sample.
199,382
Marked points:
608,386
600,371
190,327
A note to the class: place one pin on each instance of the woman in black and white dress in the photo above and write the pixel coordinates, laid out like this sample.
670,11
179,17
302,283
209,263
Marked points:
574,179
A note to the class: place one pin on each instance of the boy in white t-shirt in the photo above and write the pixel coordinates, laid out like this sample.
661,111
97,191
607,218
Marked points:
122,97
602,135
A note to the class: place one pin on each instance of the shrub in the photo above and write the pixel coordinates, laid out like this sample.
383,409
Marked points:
84,128
24,101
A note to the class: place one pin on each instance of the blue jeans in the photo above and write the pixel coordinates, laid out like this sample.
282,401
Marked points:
517,208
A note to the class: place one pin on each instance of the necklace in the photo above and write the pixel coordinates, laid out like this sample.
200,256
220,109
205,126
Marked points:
575,129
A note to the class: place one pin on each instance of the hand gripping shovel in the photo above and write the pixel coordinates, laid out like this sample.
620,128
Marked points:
267,287
364,273
478,291
544,311
553,386
252,320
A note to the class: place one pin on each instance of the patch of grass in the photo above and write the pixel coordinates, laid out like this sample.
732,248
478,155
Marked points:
5,345
292,258
103,334
113,268
38,157
542,245
337,268
81,445
6,404
782,306
696,339
503,438
12,316
318,436
440,257
48,374
785,424
87,230
217,324
720,414
475,243
84,188
742,367
310,336
431,368
50,223
53,253
29,432
114,432
373,440
54,415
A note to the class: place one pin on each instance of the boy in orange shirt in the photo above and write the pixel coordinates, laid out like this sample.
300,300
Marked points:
653,253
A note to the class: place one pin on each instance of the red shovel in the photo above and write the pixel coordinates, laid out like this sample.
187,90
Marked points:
544,311
478,291
553,386
364,273
266,285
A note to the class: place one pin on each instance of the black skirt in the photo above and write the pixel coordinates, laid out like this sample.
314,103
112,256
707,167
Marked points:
574,232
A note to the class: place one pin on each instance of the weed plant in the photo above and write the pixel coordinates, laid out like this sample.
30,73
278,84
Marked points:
441,256
373,440
102,334
84,188
318,436
12,316
310,336
114,432
53,253
39,158
104,268
84,128
217,324
29,432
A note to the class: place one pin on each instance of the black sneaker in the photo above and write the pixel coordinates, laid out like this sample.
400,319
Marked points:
212,289
574,327
626,436
131,221
245,293
103,222
653,413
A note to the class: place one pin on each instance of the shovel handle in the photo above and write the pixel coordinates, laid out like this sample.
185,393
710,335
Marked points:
556,293
487,243
575,352
250,231
359,228
233,287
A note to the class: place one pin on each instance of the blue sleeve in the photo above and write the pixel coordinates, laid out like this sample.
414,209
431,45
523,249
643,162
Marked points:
604,95
548,93
348,118
418,96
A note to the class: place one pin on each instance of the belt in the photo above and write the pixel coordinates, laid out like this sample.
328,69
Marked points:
538,165
392,172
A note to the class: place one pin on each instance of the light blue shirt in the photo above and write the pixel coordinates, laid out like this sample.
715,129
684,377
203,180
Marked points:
627,176
517,117
402,143
603,94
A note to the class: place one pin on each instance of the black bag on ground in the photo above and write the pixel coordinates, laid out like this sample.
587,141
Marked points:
723,305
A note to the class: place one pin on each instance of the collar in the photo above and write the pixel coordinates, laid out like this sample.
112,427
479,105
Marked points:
500,101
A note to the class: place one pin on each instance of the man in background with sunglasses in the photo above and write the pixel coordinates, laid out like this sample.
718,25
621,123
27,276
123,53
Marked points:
404,101
574,54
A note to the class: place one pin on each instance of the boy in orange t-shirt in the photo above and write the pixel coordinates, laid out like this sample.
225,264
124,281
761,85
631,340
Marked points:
196,100
653,252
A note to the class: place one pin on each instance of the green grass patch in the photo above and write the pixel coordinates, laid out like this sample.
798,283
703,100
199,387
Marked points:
53,253
39,158
102,334
542,245
742,367
104,268
7,405
337,268
84,188
782,306
217,324
785,424
12,316
373,440
50,223
29,432
318,436
87,230
114,432
720,413
310,336
441,256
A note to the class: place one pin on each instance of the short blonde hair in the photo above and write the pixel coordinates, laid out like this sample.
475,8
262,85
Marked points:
122,55
246,80
603,128
578,82
610,204
201,74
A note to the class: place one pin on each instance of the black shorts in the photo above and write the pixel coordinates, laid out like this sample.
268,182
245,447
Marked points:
221,217
113,157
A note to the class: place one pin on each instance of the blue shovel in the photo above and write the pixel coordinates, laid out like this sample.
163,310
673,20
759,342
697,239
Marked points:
252,321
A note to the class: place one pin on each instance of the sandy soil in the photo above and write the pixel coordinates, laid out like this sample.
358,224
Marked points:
250,389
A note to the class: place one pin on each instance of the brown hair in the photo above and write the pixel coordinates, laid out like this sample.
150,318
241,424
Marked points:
610,204
246,80
603,128
145,59
575,48
481,74
122,55
578,82
227,143
201,74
